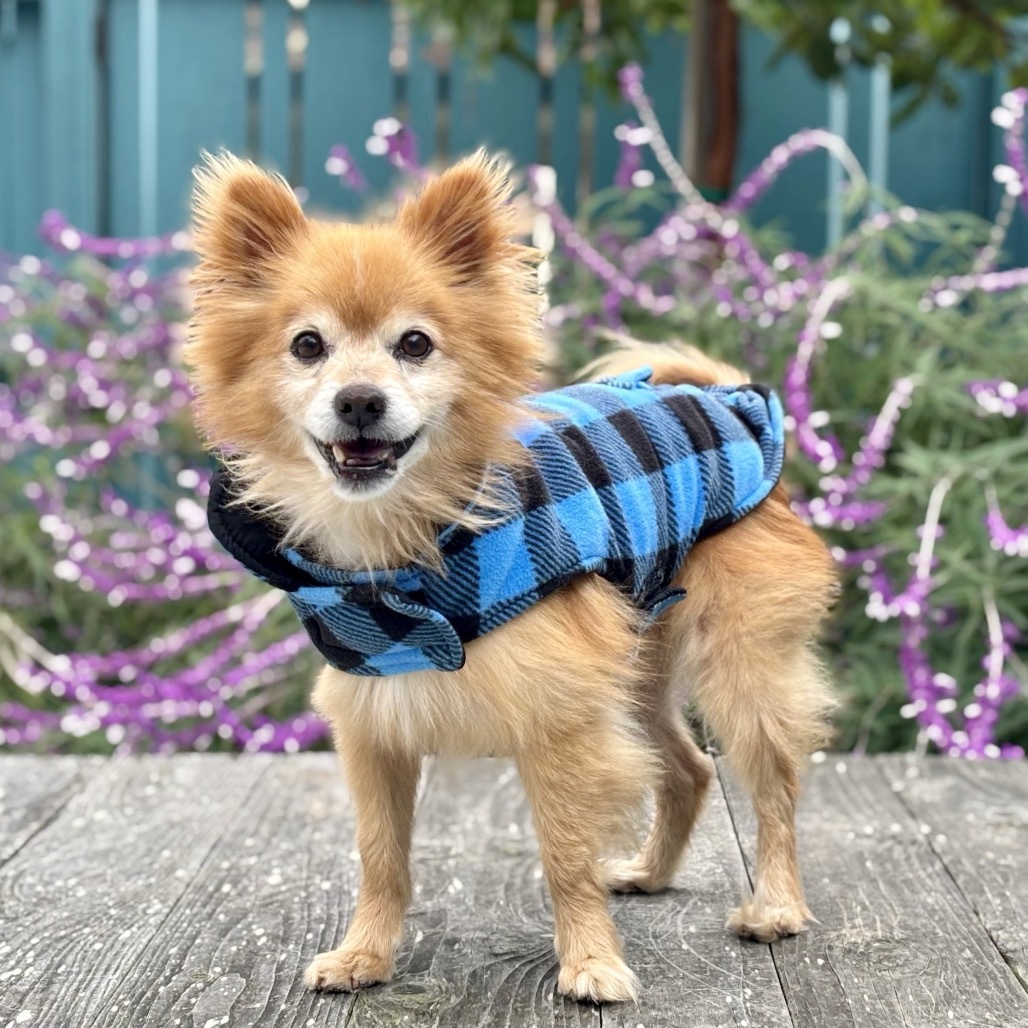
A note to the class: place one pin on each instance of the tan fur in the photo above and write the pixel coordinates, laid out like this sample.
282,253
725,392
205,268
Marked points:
588,707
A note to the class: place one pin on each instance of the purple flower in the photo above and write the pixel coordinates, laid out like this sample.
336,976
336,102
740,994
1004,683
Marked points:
392,139
630,160
341,164
630,80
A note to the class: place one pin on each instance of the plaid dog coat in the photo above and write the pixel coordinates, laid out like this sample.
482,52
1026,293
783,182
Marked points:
624,478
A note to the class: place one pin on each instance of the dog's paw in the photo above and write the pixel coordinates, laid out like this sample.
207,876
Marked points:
765,923
632,876
598,980
346,970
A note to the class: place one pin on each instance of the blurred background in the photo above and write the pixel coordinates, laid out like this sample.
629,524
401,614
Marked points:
106,103
830,194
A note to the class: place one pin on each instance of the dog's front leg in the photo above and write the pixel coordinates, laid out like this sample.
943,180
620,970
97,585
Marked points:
383,784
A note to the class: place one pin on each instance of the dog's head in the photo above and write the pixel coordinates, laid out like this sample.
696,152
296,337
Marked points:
361,362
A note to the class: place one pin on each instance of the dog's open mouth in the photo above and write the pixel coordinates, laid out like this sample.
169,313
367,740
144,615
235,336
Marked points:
363,459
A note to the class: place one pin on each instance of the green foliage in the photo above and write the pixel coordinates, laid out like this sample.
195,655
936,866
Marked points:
44,614
926,41
886,333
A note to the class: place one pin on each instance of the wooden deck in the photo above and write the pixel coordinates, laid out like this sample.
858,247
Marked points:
192,892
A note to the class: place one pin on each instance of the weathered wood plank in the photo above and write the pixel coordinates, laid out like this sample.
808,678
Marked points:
897,944
33,790
79,901
692,969
277,888
974,815
480,949
142,902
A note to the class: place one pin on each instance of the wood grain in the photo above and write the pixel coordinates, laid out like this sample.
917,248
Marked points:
897,943
479,945
191,892
480,950
693,970
974,815
80,899
33,790
276,889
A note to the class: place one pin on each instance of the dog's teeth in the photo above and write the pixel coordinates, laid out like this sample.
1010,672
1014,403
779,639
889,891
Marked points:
339,453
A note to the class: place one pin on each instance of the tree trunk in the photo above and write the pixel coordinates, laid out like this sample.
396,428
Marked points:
724,95
710,111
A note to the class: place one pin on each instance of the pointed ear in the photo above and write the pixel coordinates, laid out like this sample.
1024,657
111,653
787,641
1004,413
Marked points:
464,218
243,218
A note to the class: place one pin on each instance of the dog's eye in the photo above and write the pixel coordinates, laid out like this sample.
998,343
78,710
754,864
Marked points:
308,346
414,345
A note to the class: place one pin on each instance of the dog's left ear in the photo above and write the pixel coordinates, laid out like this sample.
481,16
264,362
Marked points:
465,217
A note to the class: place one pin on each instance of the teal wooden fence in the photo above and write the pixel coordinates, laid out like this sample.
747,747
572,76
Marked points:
106,104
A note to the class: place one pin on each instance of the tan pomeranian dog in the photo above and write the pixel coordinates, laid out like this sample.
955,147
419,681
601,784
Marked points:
365,382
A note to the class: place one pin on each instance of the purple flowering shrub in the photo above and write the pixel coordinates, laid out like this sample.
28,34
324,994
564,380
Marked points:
122,624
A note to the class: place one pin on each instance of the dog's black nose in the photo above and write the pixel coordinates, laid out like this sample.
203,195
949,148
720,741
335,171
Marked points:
360,405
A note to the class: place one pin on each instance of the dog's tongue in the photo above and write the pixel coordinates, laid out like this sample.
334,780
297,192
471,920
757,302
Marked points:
363,453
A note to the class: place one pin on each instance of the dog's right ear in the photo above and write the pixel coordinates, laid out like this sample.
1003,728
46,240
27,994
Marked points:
243,218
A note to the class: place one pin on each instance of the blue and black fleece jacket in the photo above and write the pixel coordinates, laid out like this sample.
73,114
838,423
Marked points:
623,478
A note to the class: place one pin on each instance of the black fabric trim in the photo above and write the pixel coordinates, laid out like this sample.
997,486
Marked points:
250,539
531,488
340,657
718,525
467,626
395,624
742,417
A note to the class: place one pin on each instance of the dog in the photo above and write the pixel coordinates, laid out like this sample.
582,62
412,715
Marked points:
366,384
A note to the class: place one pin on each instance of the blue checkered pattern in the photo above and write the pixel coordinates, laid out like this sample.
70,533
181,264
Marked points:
624,478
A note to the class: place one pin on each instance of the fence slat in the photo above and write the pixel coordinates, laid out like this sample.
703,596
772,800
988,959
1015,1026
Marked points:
202,93
274,105
21,198
496,108
123,71
348,85
70,101
665,74
427,57
147,58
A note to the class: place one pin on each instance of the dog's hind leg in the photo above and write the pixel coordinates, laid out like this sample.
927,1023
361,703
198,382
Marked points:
743,643
767,751
684,779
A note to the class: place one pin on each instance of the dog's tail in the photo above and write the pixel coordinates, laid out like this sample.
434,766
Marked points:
672,364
